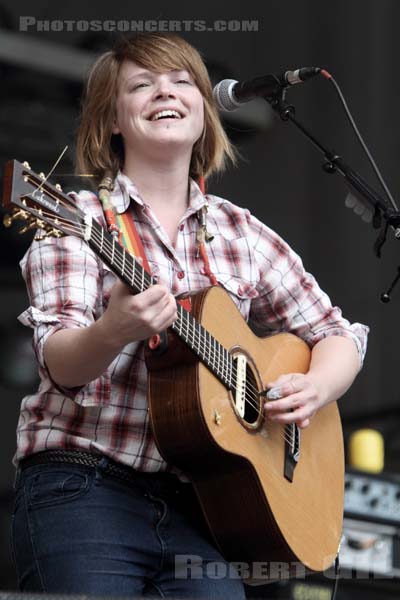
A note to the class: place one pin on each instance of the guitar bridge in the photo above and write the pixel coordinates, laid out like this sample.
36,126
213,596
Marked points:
292,449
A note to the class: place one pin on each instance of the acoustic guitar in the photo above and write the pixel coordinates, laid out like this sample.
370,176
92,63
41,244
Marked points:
271,494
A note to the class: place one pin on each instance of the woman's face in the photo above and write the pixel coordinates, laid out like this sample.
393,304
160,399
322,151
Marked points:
157,110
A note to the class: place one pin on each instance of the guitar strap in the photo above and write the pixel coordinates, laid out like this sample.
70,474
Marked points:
123,226
203,236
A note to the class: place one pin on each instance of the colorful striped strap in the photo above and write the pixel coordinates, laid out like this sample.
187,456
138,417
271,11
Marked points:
124,226
130,237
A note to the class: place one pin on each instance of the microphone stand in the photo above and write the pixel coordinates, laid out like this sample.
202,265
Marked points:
364,197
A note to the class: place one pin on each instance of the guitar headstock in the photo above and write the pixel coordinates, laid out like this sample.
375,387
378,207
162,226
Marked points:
29,197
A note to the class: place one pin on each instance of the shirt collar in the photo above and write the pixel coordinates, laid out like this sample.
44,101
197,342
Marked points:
125,190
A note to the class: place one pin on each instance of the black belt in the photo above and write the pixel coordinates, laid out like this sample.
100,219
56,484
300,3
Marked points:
179,494
78,457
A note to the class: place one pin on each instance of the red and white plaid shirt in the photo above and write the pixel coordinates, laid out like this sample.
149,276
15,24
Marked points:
69,286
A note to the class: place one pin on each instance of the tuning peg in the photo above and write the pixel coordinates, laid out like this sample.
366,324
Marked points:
19,214
58,187
42,175
31,225
27,165
55,233
42,235
7,220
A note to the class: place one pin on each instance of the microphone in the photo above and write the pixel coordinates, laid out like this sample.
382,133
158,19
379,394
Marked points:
230,94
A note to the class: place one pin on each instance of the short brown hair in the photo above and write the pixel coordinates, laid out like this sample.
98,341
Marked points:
101,152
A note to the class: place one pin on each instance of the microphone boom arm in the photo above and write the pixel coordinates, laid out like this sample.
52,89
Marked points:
384,214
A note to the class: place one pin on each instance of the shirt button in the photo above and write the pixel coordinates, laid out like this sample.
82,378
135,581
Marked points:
181,274
181,227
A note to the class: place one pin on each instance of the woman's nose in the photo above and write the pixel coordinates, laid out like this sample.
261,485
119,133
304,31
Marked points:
164,88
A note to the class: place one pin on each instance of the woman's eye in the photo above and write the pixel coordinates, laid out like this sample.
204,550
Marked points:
183,81
140,85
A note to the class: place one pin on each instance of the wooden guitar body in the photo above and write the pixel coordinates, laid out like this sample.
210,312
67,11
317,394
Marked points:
254,512
270,493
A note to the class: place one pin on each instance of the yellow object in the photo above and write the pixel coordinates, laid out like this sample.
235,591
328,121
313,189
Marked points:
366,450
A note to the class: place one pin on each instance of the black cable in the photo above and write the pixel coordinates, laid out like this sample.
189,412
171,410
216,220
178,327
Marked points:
337,576
328,76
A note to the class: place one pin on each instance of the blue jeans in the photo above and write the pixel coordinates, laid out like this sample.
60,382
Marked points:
77,530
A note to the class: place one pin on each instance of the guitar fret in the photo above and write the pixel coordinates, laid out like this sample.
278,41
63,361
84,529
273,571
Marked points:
214,354
113,251
223,360
207,348
177,323
205,343
123,264
190,331
188,328
70,219
227,369
209,342
214,343
138,278
199,337
229,381
142,284
219,357
181,322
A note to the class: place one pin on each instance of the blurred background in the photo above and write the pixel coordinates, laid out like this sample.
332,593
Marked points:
45,52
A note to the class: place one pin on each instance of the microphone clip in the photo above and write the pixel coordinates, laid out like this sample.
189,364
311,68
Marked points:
278,102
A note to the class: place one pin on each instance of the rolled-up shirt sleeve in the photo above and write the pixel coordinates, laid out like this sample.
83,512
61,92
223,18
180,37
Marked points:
290,298
63,281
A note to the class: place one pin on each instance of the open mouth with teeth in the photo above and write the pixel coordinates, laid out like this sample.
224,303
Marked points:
165,114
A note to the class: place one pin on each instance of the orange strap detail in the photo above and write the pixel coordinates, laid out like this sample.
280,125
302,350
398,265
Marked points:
207,270
202,185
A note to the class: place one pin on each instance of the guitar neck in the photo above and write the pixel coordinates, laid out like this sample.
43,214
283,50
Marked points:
52,210
208,350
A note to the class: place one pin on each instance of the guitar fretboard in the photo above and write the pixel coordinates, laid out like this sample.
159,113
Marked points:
198,339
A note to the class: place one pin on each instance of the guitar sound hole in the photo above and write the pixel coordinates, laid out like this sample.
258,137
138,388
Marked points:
251,412
252,404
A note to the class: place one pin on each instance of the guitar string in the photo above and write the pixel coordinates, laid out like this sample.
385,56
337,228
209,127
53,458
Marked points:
71,226
250,388
138,280
101,240
104,241
195,338
287,435
202,346
39,189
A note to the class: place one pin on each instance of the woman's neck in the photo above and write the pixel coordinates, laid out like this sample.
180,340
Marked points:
162,185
